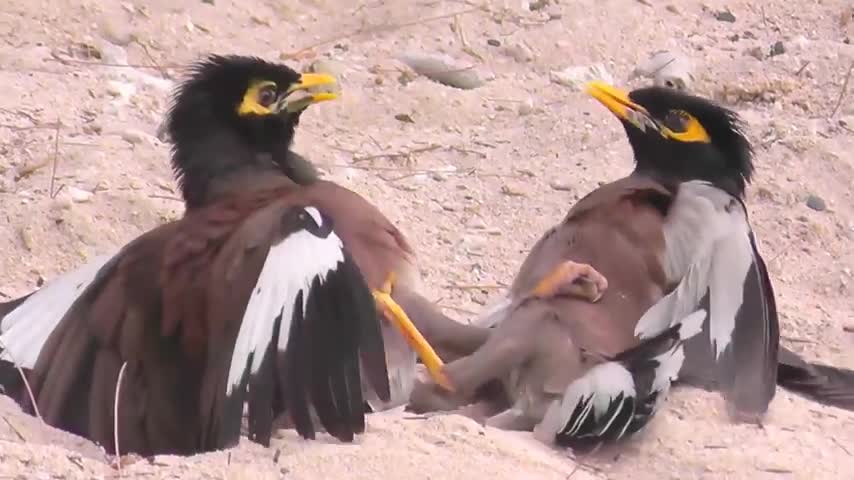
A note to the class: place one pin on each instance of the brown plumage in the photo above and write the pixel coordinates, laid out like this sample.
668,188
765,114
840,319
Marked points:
650,278
250,299
259,295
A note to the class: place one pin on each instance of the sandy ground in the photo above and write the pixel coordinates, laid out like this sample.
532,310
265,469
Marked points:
472,176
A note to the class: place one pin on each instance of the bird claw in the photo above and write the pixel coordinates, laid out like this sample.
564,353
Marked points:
574,279
398,317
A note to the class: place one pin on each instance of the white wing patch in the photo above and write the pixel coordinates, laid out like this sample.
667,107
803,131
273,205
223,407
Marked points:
24,330
698,218
707,249
290,268
603,383
670,362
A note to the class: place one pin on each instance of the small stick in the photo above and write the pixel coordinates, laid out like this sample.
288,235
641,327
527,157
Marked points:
475,287
840,445
24,378
116,418
148,54
71,62
381,28
166,197
55,160
843,90
15,429
403,154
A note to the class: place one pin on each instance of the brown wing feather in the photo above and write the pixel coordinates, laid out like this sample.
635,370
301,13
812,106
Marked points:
375,243
170,305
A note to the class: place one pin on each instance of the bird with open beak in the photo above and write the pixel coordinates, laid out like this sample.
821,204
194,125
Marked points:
261,294
648,279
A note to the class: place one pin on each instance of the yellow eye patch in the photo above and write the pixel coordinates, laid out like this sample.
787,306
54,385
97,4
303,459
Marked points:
258,98
681,126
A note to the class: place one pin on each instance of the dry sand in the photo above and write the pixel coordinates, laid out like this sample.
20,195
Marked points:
512,156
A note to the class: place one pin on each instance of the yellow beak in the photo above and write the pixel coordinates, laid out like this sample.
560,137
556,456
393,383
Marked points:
617,101
309,81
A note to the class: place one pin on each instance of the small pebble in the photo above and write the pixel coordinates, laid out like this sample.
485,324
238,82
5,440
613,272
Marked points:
79,196
537,5
519,52
777,49
561,187
134,137
725,16
526,108
512,191
816,203
755,52
443,69
667,69
476,223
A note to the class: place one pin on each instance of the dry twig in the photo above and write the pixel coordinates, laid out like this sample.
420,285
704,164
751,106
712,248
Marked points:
54,161
20,435
406,154
377,29
116,418
24,379
843,90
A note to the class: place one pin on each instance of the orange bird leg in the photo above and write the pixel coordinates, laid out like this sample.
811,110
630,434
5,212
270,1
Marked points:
395,314
571,278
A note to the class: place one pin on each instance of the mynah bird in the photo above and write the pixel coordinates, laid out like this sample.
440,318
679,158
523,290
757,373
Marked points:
259,296
649,279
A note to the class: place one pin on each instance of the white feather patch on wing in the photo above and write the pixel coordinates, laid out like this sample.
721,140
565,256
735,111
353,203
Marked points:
290,268
678,303
732,260
24,330
604,383
697,218
707,247
670,362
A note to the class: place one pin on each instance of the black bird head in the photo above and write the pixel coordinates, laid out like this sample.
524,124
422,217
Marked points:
233,113
681,136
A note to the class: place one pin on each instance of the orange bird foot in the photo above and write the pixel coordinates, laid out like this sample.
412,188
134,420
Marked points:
395,314
574,279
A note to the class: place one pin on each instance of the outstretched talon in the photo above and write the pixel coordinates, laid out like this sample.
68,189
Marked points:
395,314
575,279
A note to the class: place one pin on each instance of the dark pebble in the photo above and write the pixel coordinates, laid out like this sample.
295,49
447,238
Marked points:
725,16
777,49
816,203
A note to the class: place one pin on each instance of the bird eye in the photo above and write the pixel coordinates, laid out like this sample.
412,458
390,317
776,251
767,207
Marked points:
677,121
267,95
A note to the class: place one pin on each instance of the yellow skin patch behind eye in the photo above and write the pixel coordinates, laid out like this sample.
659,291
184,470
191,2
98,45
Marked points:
250,103
694,131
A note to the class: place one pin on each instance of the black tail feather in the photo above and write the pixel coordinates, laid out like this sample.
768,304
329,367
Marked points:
824,384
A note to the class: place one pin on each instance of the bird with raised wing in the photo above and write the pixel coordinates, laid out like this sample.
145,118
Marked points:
259,296
649,279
